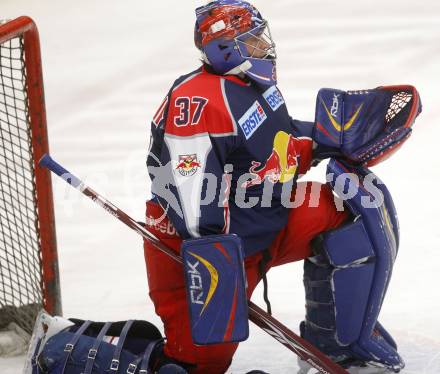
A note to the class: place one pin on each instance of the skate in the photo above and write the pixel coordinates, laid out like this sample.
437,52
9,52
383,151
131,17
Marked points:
352,366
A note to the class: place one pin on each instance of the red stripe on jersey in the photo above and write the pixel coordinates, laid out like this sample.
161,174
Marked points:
232,78
198,106
160,112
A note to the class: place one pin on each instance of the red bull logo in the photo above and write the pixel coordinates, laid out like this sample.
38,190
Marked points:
188,165
281,165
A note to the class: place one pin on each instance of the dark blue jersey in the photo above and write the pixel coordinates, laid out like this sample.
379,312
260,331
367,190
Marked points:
224,158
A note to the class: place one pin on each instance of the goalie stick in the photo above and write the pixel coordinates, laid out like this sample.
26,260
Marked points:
258,316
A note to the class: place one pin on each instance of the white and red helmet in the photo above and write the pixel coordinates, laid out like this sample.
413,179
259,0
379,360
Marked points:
223,32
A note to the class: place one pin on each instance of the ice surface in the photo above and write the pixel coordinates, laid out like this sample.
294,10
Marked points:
107,66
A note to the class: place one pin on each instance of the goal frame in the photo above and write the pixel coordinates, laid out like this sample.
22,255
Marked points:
50,284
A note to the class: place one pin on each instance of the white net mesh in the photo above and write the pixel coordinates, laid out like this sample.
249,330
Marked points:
398,102
20,263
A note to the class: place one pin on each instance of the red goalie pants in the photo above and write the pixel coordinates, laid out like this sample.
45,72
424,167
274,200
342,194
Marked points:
317,214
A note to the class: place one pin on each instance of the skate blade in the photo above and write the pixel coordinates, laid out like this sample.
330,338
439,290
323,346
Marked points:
371,368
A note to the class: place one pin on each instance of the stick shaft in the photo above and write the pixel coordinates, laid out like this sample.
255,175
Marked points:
258,316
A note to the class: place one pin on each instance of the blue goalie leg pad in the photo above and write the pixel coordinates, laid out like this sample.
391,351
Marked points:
347,281
332,283
386,335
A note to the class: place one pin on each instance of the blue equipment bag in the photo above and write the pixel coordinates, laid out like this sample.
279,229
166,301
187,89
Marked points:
83,349
216,289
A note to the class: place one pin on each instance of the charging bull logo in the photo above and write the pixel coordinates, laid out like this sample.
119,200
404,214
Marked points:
282,164
188,165
196,289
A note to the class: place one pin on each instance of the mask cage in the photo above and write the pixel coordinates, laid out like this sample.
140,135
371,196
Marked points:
257,43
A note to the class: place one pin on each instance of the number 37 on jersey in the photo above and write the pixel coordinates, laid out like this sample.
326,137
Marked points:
189,111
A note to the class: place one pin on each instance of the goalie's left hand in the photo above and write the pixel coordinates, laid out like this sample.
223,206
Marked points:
365,126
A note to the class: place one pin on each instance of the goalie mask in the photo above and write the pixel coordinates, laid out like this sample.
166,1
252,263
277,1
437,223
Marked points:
234,38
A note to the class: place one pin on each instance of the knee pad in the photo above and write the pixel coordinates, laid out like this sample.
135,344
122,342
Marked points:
341,274
347,280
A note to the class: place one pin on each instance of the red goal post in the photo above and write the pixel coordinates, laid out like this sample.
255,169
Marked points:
29,277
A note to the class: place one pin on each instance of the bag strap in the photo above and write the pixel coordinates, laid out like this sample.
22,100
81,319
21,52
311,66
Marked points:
114,366
133,366
34,359
144,369
266,258
94,350
68,349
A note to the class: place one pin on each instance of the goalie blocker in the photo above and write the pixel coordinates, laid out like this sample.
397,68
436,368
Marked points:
216,289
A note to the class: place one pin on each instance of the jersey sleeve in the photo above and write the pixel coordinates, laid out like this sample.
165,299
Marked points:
192,139
302,130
